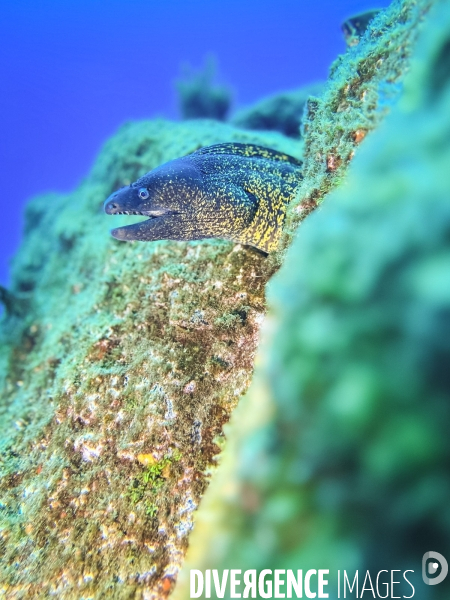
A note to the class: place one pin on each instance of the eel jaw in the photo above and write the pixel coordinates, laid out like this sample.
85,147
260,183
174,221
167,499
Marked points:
137,231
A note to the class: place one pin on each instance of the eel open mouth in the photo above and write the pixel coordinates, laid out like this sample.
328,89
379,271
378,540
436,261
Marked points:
112,208
155,217
142,229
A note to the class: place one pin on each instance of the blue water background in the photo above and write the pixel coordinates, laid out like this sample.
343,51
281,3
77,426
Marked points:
71,72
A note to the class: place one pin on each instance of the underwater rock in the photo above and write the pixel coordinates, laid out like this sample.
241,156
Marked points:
117,380
14,304
199,97
364,84
354,27
281,112
338,456
284,112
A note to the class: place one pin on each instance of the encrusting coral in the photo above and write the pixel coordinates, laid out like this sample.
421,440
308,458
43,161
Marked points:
118,377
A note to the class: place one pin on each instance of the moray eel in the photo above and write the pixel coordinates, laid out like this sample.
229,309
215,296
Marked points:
237,192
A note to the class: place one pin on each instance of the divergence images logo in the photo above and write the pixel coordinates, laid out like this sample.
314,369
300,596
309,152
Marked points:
432,562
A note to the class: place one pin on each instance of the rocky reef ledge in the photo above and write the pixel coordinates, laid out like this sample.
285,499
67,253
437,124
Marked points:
120,363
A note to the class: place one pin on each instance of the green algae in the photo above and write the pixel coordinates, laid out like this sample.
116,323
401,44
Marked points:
338,456
130,349
150,481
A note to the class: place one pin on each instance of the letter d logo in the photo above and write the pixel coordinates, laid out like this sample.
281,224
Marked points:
431,562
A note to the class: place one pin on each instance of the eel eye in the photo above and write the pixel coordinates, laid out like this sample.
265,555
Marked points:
143,193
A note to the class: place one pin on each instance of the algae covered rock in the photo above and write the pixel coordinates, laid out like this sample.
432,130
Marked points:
364,84
346,465
281,112
117,379
125,360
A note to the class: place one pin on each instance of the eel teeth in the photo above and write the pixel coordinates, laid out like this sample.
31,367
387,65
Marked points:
131,212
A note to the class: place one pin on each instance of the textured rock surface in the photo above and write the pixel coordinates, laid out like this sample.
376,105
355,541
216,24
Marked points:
338,457
121,362
116,381
282,112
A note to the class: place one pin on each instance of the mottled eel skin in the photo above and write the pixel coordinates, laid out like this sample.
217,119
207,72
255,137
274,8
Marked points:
233,191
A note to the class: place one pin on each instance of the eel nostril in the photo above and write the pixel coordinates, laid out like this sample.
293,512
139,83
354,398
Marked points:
113,207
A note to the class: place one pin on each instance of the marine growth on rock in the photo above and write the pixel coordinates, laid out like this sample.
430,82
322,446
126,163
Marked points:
125,361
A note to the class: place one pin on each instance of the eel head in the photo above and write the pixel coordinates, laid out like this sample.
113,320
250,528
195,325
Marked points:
163,195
